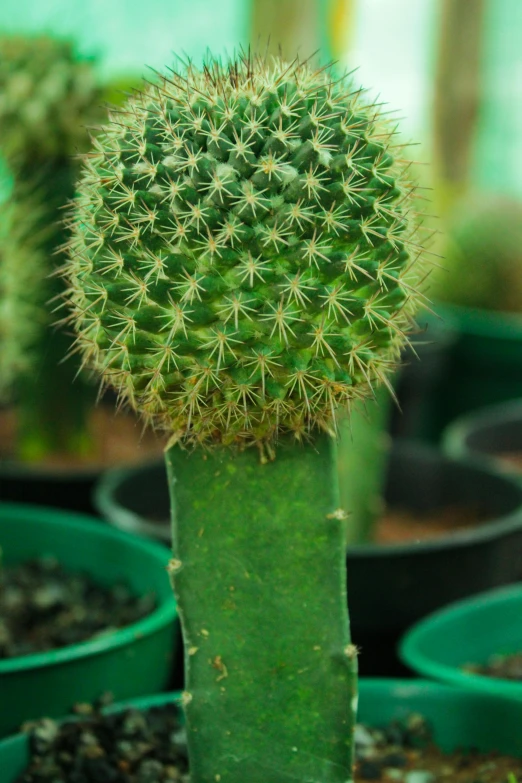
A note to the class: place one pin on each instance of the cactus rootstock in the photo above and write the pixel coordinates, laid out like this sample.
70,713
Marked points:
244,250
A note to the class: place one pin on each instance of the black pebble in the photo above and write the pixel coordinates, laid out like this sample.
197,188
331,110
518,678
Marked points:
395,760
370,770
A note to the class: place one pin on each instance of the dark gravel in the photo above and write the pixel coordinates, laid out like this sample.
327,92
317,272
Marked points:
150,747
129,747
43,607
501,667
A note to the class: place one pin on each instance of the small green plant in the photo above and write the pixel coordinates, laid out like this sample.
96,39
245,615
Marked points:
47,95
485,236
243,266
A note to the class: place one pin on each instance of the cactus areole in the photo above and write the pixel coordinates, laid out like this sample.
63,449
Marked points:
243,264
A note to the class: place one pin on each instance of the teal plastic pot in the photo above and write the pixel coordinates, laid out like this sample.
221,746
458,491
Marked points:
129,662
469,631
459,718
486,361
485,434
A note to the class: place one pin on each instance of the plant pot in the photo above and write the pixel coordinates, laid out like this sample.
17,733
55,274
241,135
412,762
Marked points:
486,434
418,383
129,662
486,361
391,586
136,500
66,485
458,718
465,632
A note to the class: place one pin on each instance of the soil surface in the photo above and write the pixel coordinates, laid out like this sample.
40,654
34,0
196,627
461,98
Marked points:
511,459
117,438
398,526
43,607
150,747
502,667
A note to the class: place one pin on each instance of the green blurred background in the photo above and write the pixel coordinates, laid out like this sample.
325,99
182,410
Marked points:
393,45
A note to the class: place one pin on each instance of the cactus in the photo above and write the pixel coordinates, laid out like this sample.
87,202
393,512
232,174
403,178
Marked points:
486,236
46,97
242,267
22,269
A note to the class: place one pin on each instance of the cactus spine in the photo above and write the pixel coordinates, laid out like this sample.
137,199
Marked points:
242,266
46,97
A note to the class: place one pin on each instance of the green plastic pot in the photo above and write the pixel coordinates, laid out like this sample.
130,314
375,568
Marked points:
486,361
129,662
459,718
468,631
486,433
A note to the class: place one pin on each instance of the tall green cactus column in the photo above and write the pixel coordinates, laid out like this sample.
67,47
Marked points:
243,270
48,96
258,550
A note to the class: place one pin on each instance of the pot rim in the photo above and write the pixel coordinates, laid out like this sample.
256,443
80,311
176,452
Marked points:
456,434
103,497
412,656
163,615
392,687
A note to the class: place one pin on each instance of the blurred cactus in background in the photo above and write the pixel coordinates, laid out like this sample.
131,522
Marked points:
22,276
47,98
483,264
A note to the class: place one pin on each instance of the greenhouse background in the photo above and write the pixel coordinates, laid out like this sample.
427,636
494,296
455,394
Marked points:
126,34
260,388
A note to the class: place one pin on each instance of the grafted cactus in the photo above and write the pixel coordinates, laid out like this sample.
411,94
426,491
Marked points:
242,268
47,96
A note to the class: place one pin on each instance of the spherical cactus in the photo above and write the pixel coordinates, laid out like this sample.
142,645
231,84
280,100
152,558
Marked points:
46,92
243,257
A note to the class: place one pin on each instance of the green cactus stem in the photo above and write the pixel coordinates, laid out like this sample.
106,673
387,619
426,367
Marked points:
243,268
47,96
259,572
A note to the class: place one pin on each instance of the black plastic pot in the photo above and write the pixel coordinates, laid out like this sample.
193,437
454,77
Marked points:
486,361
389,587
418,384
486,434
136,500
69,488
393,586
66,489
